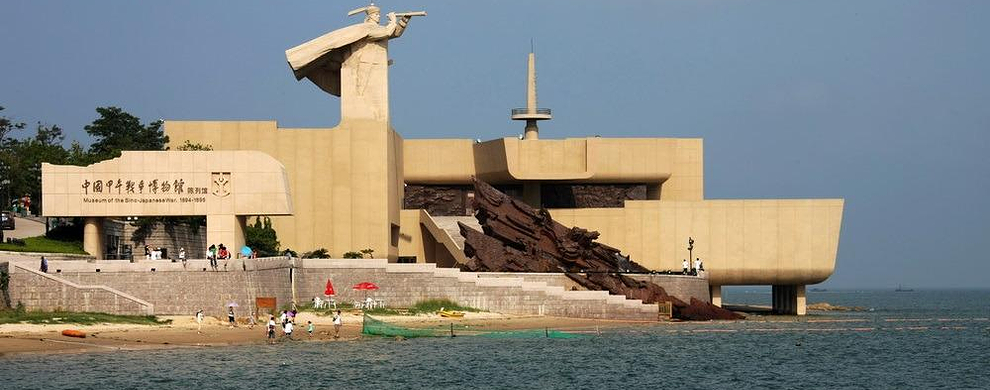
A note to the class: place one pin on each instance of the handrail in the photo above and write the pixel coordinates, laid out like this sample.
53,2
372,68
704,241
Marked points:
149,307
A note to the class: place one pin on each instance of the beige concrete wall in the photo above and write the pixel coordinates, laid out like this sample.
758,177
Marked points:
345,182
677,163
222,185
740,241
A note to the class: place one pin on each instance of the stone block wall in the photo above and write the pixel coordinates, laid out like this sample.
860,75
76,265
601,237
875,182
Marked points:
682,287
160,236
48,293
185,292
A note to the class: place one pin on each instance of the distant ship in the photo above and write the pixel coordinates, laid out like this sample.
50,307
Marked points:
902,289
819,289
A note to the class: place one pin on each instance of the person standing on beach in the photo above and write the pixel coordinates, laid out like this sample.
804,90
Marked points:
182,256
230,317
287,329
310,328
271,329
337,323
199,321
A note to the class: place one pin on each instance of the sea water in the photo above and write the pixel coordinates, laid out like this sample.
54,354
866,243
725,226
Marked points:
916,340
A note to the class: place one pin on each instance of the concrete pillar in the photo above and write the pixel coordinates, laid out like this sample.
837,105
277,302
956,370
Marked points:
716,294
531,194
789,300
801,300
93,236
227,230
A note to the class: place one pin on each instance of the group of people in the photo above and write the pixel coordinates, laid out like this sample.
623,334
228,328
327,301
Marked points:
698,267
215,253
288,322
153,253
21,206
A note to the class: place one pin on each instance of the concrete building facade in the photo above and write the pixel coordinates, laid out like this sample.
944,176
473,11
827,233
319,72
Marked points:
361,185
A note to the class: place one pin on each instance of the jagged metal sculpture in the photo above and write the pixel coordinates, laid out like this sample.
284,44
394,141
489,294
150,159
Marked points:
520,238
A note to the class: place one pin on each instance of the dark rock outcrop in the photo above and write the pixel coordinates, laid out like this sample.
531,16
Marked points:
519,238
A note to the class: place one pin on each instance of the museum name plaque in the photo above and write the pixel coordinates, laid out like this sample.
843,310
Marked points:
166,183
119,190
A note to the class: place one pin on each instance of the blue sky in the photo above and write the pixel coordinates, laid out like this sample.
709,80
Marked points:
883,103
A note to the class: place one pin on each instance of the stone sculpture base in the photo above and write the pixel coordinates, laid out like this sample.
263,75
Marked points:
519,238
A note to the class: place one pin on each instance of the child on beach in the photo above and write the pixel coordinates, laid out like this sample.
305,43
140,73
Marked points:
199,321
287,329
337,323
271,329
310,328
230,317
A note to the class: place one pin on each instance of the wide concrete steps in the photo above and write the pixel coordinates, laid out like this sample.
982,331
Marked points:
449,224
530,296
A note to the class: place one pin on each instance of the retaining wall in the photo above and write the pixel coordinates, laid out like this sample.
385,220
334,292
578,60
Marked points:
40,291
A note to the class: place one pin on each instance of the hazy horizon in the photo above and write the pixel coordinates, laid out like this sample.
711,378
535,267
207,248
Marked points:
881,103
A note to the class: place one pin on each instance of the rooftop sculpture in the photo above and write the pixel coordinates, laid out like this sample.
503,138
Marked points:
352,62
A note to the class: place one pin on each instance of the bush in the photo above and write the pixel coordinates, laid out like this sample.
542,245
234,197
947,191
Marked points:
321,253
71,231
353,255
434,305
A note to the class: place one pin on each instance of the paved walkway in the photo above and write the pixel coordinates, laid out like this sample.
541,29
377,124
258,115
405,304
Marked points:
25,228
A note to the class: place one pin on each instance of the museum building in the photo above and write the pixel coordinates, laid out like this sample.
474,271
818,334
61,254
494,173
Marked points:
362,185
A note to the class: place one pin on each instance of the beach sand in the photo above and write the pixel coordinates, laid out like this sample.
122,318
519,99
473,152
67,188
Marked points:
182,332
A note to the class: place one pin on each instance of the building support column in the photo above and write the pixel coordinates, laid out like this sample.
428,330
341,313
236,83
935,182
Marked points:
531,194
716,293
227,230
93,236
789,300
801,300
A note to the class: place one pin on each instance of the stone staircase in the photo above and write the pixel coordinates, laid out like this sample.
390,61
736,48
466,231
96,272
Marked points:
402,285
449,224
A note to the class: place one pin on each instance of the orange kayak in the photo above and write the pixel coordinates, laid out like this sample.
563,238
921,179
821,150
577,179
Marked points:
74,333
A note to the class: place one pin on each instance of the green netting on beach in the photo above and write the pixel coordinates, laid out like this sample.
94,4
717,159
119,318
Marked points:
375,327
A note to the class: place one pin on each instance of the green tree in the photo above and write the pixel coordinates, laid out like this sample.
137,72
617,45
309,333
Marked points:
22,162
261,237
189,146
7,156
116,130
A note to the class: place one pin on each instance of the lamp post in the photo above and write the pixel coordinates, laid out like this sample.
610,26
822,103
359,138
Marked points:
690,253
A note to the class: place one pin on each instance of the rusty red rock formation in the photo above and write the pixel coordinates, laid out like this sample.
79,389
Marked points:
519,238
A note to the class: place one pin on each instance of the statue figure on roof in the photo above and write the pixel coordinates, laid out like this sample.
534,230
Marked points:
352,62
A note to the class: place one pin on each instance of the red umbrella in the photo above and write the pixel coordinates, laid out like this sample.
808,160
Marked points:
365,286
329,291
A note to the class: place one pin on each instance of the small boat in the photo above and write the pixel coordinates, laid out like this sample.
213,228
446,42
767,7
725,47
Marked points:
450,313
74,333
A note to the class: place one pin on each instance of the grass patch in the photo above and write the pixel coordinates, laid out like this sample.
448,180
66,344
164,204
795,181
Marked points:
45,245
434,305
80,318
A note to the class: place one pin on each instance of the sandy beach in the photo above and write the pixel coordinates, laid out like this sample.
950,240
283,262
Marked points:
183,333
